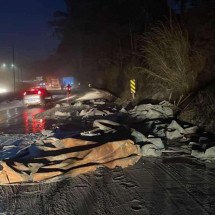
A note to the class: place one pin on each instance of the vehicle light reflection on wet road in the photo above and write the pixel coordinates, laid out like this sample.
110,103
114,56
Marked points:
21,120
32,125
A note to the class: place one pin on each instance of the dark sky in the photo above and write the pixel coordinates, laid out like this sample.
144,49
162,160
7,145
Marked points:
24,23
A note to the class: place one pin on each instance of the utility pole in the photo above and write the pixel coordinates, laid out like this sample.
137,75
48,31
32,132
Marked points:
20,75
14,75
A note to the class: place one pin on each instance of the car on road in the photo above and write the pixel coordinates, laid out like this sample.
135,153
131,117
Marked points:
36,96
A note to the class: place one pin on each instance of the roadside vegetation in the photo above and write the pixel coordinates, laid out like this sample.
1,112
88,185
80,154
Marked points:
171,65
110,42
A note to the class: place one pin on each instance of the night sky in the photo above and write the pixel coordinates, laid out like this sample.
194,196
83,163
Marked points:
24,23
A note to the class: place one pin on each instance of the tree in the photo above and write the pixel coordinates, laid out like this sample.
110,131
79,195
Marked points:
96,34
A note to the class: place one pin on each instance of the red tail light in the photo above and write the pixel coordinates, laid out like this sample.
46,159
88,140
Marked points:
24,93
39,92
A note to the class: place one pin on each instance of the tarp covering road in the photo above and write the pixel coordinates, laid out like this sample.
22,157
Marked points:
56,159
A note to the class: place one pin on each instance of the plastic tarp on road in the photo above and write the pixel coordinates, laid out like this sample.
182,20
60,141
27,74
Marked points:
57,159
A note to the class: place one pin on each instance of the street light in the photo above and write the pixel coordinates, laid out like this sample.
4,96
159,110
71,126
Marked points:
4,65
14,75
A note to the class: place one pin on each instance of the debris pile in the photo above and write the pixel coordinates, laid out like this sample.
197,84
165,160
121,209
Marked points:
158,131
149,111
145,130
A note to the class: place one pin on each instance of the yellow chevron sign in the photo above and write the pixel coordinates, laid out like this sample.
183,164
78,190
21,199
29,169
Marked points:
133,86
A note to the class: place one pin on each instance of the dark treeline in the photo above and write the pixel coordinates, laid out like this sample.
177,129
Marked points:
99,38
99,33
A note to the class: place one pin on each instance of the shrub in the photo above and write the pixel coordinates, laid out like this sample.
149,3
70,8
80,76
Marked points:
171,64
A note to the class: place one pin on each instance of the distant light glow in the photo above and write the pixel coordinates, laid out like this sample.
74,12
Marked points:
3,90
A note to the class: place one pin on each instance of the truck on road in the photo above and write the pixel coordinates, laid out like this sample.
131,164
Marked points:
53,83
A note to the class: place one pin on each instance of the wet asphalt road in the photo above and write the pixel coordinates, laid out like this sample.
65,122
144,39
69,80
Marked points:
21,120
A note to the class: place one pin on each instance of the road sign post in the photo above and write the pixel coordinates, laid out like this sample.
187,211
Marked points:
133,87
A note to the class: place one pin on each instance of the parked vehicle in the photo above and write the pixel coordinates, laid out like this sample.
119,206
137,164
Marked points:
36,96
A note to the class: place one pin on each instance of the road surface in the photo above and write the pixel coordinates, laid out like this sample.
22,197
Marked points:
151,187
173,184
21,119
